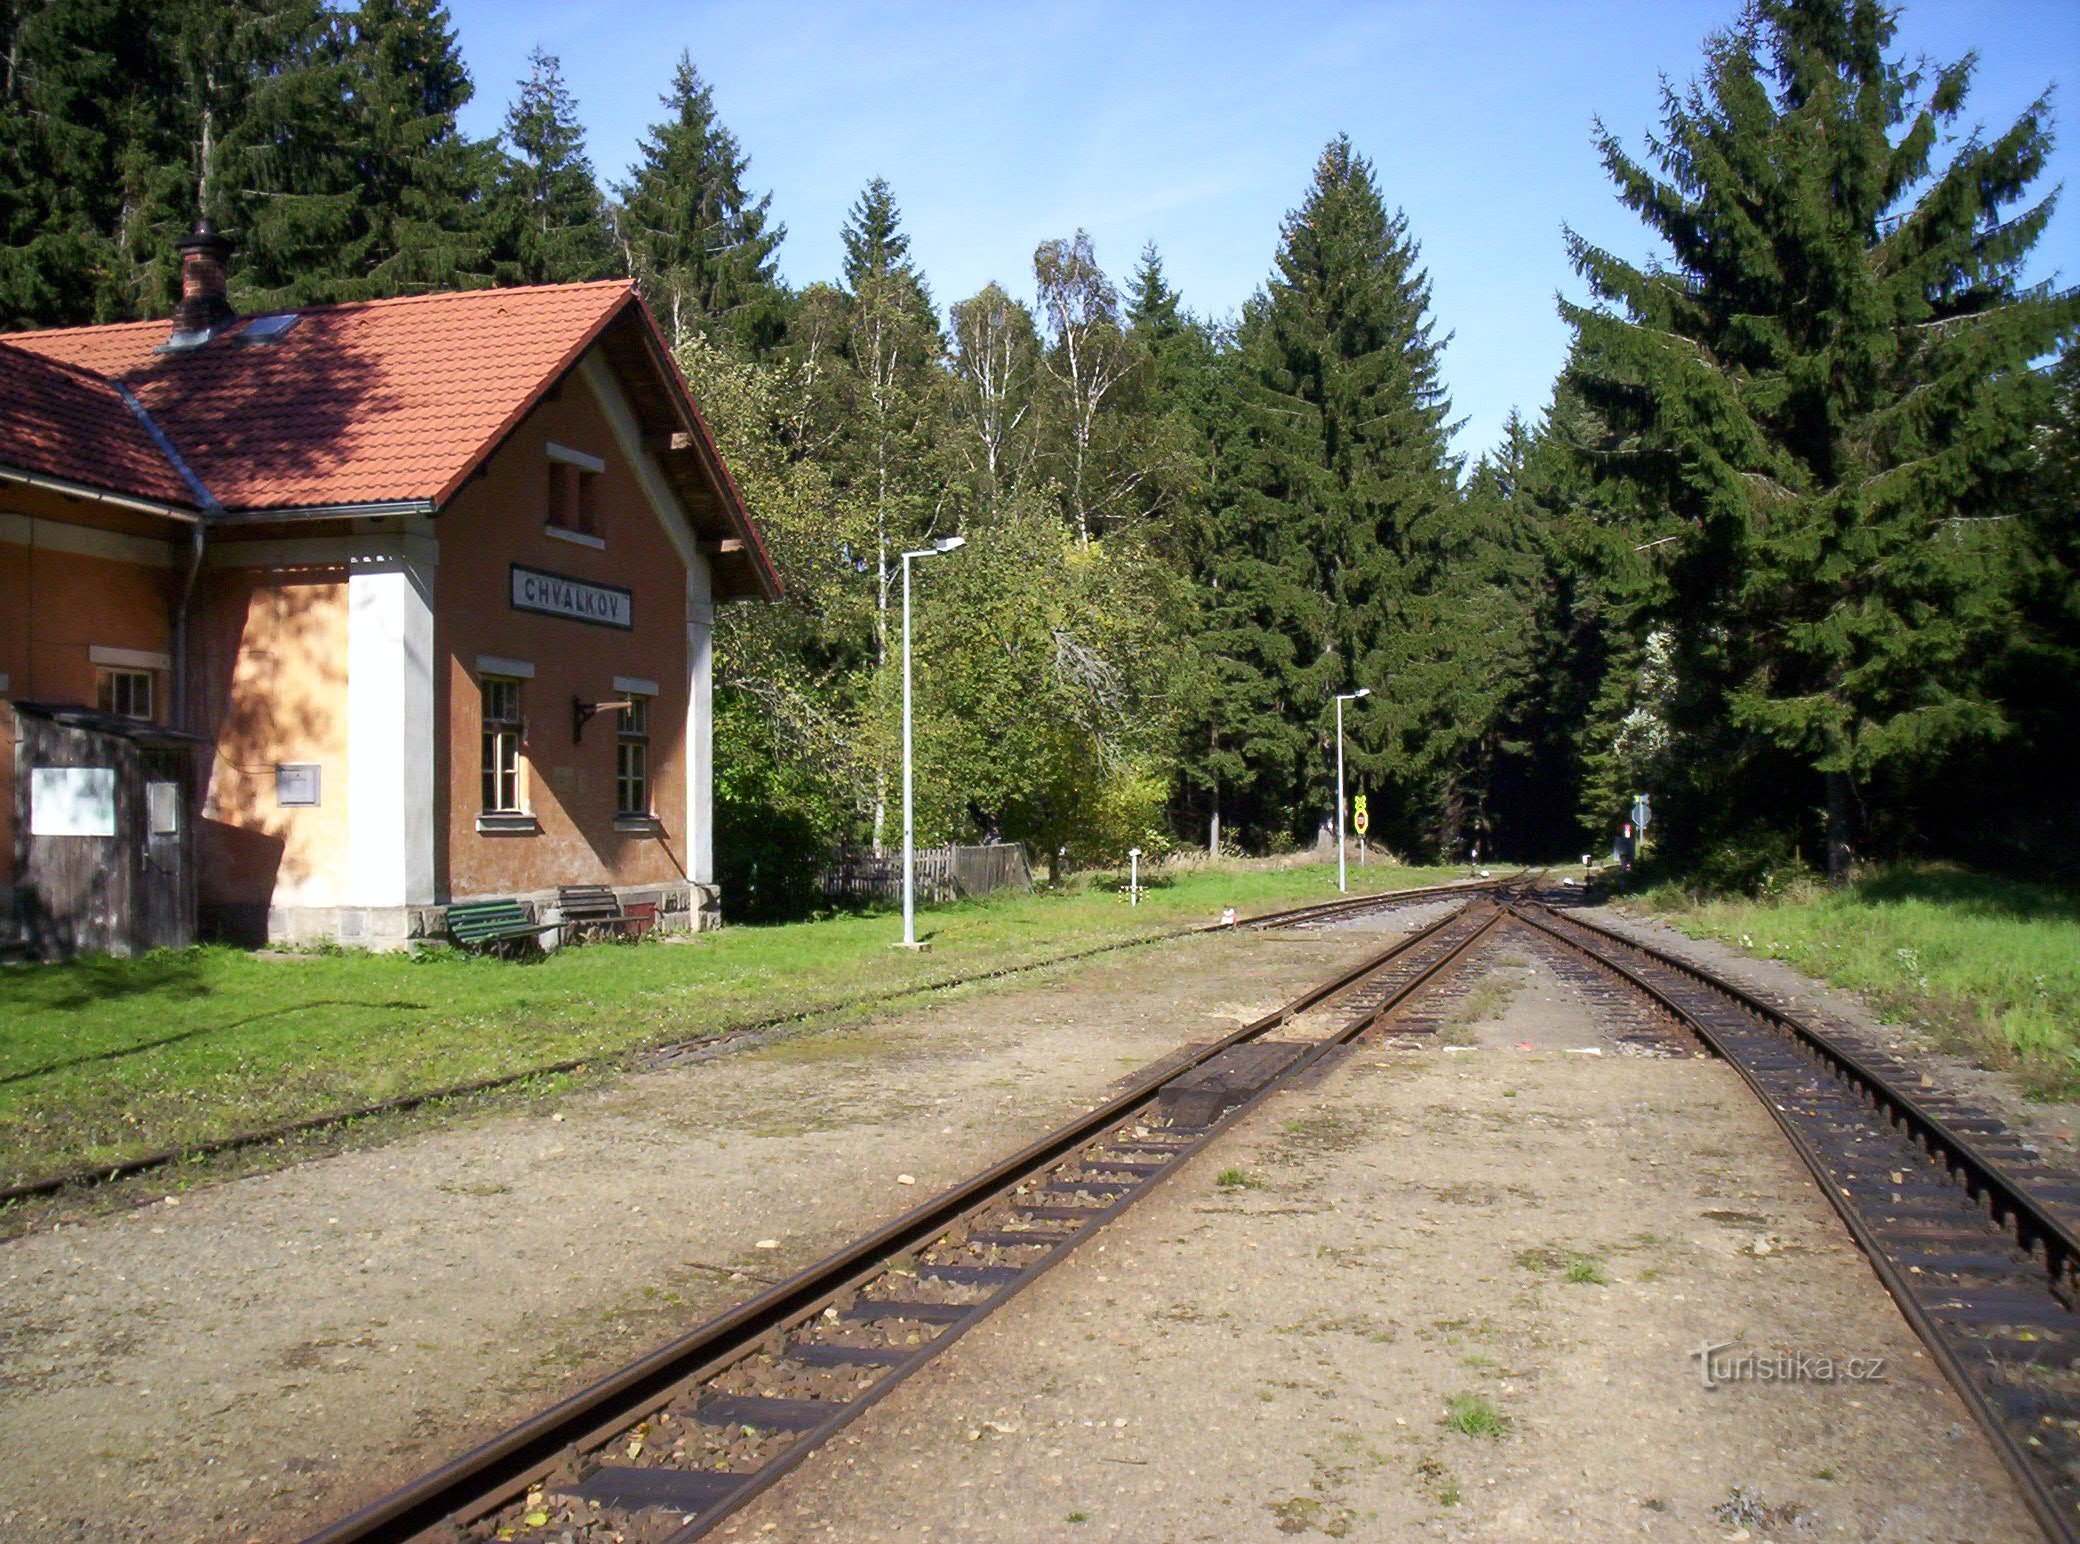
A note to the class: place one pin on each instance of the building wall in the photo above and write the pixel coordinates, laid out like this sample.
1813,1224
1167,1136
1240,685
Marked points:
498,520
270,662
76,576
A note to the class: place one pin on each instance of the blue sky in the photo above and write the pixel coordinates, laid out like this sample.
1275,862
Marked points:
1000,125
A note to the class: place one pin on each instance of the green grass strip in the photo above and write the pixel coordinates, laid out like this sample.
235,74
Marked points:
1991,965
110,1065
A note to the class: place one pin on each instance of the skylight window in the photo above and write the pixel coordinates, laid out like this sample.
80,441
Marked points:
265,329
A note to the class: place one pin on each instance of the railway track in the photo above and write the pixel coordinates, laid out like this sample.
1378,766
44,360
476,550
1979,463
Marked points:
1345,907
666,1448
1972,1237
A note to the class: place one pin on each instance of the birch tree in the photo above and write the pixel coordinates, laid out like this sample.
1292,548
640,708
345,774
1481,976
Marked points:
996,350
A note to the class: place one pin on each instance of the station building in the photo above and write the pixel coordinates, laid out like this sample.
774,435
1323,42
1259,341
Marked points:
314,622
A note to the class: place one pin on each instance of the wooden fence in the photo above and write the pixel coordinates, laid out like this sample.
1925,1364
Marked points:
943,873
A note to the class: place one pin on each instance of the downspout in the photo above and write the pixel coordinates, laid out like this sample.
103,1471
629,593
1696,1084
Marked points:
198,539
198,542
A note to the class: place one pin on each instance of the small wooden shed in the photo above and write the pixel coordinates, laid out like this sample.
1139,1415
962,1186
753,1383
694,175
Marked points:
104,848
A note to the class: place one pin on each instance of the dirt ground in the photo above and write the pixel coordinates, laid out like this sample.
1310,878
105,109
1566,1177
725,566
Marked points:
1542,1235
1252,1360
249,1360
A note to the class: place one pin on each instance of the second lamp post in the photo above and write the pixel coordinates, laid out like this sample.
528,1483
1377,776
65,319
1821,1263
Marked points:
943,544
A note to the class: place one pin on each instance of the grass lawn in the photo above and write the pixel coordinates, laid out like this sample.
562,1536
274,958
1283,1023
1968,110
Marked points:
1992,964
105,1059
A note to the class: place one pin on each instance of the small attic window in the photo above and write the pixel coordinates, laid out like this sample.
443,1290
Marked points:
265,329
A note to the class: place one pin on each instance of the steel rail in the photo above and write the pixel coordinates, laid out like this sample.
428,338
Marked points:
1378,900
2009,1204
1982,1173
496,1471
1402,993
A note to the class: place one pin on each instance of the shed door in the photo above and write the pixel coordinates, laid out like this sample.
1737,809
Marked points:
163,917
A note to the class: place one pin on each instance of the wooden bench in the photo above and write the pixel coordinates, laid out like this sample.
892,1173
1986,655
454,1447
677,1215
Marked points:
597,909
488,924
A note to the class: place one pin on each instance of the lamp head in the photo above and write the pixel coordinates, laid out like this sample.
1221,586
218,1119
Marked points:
1363,691
948,543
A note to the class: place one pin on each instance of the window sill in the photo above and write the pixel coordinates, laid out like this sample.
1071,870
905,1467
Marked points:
639,825
581,538
510,824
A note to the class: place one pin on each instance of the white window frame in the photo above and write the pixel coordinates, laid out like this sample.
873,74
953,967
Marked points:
638,739
502,740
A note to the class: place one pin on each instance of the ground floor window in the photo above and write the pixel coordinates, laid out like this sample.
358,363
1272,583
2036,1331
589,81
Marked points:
128,692
502,726
632,759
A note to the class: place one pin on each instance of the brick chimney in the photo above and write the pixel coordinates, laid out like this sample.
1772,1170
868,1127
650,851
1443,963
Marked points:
203,310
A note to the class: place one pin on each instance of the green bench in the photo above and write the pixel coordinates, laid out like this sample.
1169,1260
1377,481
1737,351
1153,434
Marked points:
490,924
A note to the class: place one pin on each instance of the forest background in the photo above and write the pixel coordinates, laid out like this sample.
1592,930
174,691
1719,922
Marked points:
1791,546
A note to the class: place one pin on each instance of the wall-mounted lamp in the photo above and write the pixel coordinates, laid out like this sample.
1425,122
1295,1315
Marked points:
583,711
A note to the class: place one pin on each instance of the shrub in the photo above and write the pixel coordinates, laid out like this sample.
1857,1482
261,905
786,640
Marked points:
1762,864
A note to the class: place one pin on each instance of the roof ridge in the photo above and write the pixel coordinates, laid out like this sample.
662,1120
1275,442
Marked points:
333,306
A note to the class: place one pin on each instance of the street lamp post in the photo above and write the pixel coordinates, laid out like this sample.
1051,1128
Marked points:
1364,691
943,544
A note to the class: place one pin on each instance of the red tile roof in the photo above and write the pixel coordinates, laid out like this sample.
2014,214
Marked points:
64,423
354,404
377,402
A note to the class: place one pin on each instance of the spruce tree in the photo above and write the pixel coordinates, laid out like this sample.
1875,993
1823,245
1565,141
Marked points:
890,353
79,82
1565,728
876,245
547,218
266,119
2051,582
1154,309
1178,352
1825,387
1343,487
1187,398
698,243
420,224
122,123
2023,792
892,349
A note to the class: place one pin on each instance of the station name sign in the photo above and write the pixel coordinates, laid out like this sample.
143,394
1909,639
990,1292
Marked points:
559,595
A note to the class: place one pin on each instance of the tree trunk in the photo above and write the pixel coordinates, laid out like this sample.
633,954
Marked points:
1213,833
1841,828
